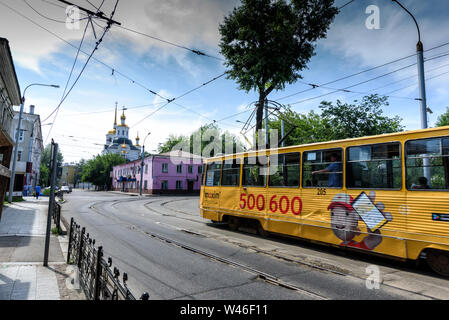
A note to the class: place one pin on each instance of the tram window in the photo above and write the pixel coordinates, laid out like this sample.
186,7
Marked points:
213,174
428,164
284,170
322,169
231,173
254,172
374,167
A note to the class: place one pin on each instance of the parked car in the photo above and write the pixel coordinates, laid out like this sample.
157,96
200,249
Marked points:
66,189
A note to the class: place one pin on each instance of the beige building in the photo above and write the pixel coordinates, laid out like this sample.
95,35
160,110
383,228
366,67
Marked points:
30,148
9,96
68,175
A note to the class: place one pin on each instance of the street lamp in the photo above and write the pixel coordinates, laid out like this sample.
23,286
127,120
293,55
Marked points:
421,78
13,172
422,88
142,163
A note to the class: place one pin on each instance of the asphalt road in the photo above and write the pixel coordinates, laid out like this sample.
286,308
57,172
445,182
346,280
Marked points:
134,233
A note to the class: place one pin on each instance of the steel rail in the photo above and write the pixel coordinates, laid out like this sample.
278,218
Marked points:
262,275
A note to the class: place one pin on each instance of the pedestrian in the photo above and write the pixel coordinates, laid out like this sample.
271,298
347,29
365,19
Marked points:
38,191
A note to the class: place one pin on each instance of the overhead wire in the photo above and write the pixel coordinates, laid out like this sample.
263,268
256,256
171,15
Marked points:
97,44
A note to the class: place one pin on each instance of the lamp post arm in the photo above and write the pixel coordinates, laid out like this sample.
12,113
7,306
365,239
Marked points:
416,23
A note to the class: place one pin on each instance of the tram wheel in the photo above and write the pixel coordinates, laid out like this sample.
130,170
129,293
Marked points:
438,261
233,223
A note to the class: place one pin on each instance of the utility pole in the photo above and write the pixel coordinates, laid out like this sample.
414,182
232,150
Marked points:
51,204
282,133
422,89
16,148
266,123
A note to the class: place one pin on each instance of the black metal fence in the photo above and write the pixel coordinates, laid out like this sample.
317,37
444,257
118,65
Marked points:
97,278
56,214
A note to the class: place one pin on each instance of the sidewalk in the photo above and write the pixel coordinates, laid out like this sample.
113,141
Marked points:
22,244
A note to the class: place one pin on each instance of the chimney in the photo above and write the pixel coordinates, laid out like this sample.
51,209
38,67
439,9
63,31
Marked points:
32,109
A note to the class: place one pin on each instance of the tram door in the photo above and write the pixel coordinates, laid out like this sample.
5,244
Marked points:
211,193
230,184
252,198
284,200
322,184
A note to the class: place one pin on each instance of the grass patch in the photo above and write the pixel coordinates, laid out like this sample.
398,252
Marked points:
55,231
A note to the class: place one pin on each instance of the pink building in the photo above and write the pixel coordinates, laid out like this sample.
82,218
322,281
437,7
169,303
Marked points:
162,173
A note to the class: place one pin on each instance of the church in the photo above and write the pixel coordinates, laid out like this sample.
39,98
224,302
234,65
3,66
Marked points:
117,140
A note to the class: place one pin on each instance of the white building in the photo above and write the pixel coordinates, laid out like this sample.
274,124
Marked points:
29,150
117,140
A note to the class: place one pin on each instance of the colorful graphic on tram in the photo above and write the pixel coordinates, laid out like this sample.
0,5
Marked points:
345,219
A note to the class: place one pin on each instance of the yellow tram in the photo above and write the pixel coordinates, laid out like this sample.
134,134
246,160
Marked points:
387,194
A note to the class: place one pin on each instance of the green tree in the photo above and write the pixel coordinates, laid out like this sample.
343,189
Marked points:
309,127
358,120
206,141
443,119
97,170
339,121
79,170
267,43
45,165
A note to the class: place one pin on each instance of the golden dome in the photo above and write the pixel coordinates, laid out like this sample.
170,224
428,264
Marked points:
112,131
123,146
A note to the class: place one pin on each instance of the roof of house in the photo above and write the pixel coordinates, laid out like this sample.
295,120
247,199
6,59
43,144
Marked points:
180,154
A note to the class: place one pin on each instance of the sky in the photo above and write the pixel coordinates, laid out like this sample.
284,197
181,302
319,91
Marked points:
128,68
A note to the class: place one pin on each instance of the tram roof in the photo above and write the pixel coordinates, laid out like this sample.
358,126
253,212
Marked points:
342,141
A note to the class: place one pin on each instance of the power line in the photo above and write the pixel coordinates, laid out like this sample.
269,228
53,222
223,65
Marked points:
197,52
361,72
97,44
114,70
348,87
401,80
314,86
346,4
46,17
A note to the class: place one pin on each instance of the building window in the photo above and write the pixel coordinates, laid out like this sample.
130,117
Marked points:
200,169
145,185
190,168
178,185
165,167
19,156
164,185
21,134
179,168
146,169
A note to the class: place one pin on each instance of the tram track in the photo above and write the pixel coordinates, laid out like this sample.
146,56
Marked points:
269,278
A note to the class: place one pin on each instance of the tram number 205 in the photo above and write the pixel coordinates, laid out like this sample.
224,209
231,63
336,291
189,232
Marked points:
283,204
